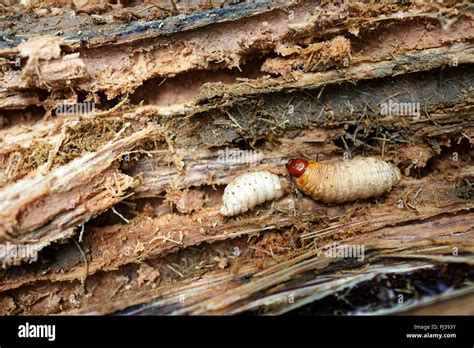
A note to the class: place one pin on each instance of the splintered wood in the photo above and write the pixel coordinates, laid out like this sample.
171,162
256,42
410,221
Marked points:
120,127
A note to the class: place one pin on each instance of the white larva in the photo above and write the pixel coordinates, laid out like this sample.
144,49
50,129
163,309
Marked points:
249,190
345,181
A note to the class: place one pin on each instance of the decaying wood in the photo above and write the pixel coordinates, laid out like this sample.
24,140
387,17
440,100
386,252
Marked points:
120,69
119,208
43,208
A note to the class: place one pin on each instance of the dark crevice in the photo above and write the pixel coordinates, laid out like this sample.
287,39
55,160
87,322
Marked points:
451,158
384,291
185,87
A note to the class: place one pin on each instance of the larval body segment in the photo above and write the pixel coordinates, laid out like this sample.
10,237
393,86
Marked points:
249,190
347,181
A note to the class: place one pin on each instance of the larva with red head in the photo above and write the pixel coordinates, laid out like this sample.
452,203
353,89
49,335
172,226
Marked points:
344,181
251,189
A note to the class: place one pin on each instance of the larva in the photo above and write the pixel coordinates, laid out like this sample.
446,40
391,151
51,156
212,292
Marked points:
251,189
345,181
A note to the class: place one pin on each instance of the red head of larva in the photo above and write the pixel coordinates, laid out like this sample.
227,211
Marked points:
297,166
